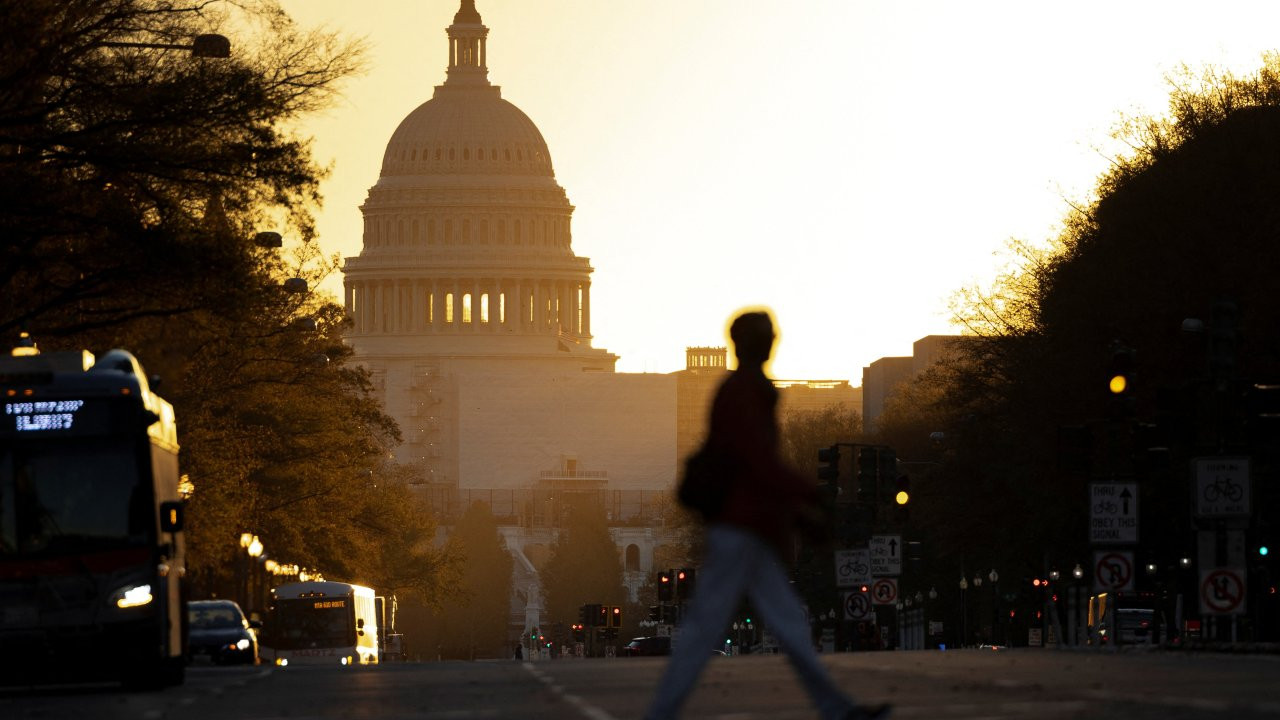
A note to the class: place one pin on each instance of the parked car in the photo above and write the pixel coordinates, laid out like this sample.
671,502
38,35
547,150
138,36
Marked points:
643,646
219,633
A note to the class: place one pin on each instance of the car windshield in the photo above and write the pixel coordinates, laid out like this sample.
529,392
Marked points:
214,617
71,497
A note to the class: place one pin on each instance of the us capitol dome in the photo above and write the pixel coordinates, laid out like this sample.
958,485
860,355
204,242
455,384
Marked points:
473,314
467,234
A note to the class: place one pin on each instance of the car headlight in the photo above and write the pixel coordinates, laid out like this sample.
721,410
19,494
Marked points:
242,644
131,596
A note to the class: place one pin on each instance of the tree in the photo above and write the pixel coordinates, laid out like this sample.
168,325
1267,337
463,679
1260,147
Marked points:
1187,219
473,622
584,566
132,179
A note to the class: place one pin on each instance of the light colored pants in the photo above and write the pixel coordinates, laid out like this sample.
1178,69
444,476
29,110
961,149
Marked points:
738,562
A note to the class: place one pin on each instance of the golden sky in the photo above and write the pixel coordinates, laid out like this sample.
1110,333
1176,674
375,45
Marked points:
848,163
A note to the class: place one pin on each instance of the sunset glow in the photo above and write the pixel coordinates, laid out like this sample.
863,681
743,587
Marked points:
849,164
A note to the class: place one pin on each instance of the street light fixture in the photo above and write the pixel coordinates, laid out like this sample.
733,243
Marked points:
204,46
1077,572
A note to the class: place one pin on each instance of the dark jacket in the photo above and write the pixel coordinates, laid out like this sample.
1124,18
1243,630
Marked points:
765,495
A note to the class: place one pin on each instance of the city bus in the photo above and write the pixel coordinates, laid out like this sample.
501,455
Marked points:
91,547
321,622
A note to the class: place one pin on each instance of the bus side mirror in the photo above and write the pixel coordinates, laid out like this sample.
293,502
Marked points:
171,513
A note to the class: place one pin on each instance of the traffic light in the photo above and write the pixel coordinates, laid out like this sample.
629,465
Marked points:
615,616
868,466
666,587
602,615
579,632
655,613
1120,380
902,490
829,470
886,465
591,616
684,583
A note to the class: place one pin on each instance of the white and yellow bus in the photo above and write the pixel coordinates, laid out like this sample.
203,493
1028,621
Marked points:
321,623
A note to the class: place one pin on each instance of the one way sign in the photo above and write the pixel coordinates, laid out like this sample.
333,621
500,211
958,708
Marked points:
886,555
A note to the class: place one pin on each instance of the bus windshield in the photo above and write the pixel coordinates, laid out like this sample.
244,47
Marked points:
58,498
313,623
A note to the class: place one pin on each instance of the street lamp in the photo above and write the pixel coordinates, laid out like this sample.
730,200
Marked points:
994,577
964,613
205,46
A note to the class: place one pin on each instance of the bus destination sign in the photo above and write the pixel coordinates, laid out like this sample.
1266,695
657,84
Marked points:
43,415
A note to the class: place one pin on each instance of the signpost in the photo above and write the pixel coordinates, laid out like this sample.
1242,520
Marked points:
886,555
1222,591
1113,513
1222,487
1113,570
853,567
857,606
884,591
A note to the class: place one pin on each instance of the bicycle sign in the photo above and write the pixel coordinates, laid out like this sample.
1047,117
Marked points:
853,567
1222,487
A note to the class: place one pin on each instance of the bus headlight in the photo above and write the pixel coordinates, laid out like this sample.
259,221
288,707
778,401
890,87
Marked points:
131,596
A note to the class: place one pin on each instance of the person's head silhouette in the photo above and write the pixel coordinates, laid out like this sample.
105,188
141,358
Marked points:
752,336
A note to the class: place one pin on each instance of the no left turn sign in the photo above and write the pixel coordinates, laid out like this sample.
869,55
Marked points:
1222,591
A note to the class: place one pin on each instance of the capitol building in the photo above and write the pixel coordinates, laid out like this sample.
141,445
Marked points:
473,314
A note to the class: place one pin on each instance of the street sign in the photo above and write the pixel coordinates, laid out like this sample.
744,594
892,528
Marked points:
886,555
857,606
1112,570
884,591
1035,637
1113,513
853,567
1222,591
1222,487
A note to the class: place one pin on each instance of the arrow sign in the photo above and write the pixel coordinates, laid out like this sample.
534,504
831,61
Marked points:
886,561
1113,513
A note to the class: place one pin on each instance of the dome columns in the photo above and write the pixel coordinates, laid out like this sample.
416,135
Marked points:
470,304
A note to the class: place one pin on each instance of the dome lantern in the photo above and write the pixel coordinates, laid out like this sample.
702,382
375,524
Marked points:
467,37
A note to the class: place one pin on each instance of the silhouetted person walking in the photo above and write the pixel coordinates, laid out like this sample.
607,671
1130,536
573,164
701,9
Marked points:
747,534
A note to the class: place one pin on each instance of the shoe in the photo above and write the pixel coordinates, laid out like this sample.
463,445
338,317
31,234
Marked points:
869,712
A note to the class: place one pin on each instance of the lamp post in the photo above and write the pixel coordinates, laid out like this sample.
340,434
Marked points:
994,577
253,548
964,614
204,46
